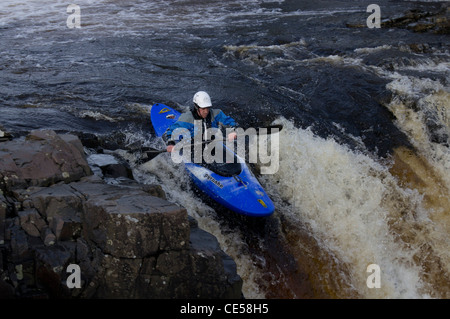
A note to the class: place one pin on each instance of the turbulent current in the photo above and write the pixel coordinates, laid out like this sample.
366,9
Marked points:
364,158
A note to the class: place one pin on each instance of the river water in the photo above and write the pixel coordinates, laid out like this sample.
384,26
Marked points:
364,155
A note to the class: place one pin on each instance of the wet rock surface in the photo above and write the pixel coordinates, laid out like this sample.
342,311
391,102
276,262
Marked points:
127,239
434,20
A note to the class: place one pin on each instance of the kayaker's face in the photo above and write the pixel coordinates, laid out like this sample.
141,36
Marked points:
203,112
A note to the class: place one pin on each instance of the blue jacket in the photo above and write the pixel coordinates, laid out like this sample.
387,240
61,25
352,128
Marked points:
215,119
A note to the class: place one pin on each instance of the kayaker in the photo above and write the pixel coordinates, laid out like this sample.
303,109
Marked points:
201,111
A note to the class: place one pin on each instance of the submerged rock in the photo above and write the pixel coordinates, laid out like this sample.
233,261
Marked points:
416,20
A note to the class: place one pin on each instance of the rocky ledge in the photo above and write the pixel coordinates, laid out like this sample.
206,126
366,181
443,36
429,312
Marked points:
435,20
62,227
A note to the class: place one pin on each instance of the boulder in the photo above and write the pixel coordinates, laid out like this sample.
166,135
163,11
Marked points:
434,20
42,159
126,238
32,222
107,165
127,225
6,290
51,264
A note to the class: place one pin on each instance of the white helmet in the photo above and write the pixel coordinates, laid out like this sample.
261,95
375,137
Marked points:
202,99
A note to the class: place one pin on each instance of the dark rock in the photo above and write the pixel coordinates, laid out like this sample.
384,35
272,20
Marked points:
434,21
151,189
48,237
117,170
32,222
25,271
421,27
3,207
66,227
154,190
58,200
7,291
19,244
73,140
128,241
120,277
203,245
42,159
51,264
61,206
419,47
89,140
108,165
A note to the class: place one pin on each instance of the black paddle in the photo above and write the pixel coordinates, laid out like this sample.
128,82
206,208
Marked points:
152,153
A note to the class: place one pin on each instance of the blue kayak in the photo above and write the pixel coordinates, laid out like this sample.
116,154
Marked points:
232,185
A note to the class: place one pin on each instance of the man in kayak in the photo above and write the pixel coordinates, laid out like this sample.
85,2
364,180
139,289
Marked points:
203,113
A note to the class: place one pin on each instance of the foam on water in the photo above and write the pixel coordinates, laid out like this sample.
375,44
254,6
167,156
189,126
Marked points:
140,18
422,111
353,204
358,211
118,18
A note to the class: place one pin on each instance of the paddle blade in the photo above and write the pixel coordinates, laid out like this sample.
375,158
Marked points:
148,154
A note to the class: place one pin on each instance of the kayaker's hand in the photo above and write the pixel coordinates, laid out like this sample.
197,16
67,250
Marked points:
170,148
232,136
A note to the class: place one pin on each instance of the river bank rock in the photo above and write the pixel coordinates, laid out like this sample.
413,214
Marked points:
434,20
42,158
66,233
